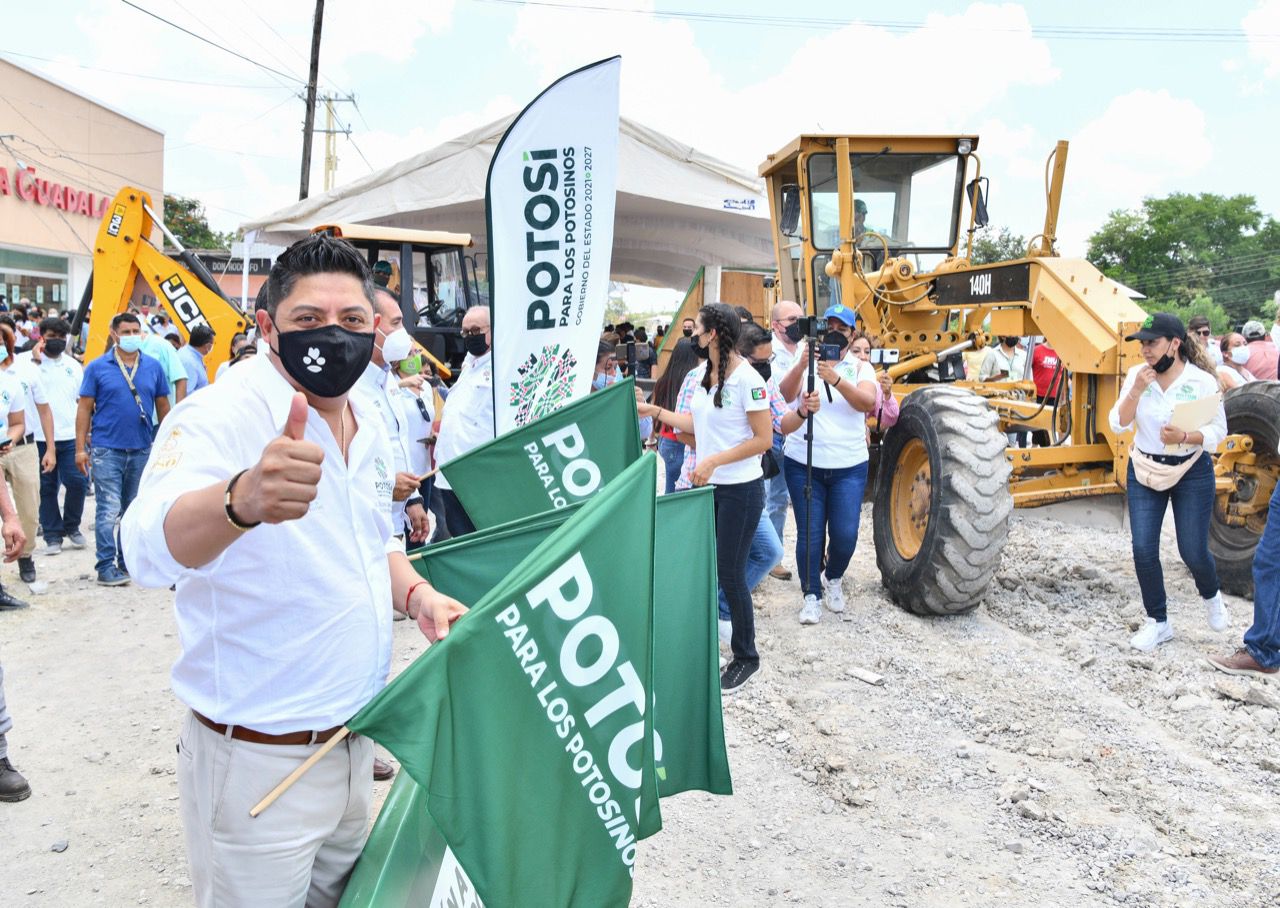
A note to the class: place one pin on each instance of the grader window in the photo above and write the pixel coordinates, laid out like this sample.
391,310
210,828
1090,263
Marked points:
912,200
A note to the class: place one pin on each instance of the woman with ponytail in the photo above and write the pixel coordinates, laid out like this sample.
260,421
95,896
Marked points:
1168,465
731,423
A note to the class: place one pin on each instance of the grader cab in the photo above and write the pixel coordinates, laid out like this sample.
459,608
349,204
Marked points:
885,226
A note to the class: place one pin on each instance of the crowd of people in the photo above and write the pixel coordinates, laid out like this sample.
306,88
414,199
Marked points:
309,458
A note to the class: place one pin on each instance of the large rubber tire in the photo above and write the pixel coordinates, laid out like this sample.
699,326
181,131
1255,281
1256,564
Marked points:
1253,410
938,543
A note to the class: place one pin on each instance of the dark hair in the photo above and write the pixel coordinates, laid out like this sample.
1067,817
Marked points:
122,318
752,336
682,360
61,325
745,314
1197,321
200,335
641,334
7,337
724,321
318,253
605,349
6,319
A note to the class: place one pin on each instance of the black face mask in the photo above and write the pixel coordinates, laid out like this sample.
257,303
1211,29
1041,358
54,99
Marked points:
836,338
688,332
765,369
55,346
325,361
794,332
1164,363
1009,341
475,344
701,351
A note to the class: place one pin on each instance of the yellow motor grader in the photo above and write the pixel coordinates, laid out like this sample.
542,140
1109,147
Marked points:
885,225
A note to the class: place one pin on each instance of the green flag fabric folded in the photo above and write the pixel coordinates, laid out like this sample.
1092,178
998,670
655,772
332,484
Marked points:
406,862
529,726
550,463
687,715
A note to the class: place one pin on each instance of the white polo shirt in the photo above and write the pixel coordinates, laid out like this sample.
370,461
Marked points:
22,392
467,421
375,384
60,380
289,629
727,426
13,399
839,430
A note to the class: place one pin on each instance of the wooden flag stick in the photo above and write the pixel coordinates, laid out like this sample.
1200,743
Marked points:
298,773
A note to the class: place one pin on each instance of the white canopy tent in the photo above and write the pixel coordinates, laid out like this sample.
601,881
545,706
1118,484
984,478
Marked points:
677,209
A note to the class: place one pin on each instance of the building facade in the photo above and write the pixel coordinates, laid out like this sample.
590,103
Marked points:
63,157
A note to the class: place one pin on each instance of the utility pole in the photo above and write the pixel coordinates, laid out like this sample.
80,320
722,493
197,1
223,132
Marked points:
309,121
330,136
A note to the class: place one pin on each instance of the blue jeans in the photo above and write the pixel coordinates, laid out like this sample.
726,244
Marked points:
116,472
455,515
738,509
765,552
835,511
55,522
775,492
1192,500
1262,639
672,454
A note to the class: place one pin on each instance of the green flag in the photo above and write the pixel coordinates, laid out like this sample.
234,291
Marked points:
550,463
528,725
406,862
686,681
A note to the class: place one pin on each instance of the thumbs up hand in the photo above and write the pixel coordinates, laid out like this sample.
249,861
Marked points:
284,482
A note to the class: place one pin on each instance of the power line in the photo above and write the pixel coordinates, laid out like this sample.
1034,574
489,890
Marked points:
1057,32
220,47
56,211
120,72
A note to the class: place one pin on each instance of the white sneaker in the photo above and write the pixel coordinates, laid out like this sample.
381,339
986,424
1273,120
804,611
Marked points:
811,611
832,594
1150,635
1216,611
726,631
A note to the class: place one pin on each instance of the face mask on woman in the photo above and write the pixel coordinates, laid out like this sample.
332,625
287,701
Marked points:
599,381
1240,355
1164,363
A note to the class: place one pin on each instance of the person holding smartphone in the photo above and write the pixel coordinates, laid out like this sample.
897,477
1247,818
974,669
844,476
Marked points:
827,517
731,422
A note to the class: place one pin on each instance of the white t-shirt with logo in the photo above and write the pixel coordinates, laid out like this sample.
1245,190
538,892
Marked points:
839,431
719,429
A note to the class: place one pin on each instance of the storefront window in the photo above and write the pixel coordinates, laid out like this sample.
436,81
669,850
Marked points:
34,276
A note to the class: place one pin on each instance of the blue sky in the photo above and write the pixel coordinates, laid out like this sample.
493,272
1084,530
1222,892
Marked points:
1145,116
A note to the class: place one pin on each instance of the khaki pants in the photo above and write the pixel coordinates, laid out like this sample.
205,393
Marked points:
300,850
21,467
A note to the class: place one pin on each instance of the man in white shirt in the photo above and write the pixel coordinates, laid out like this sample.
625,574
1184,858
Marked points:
392,343
26,404
787,368
267,501
467,419
61,377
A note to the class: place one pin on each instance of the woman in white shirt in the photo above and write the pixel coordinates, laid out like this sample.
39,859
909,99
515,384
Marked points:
731,422
827,519
1169,465
1235,353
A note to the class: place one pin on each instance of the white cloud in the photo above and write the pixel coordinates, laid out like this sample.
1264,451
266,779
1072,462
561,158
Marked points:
856,78
1261,26
1145,143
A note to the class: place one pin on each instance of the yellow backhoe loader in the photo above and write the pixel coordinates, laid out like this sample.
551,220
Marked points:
123,252
885,225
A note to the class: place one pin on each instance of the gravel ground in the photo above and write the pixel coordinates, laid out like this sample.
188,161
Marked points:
1016,755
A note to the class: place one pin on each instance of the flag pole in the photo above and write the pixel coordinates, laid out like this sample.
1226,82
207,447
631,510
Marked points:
299,772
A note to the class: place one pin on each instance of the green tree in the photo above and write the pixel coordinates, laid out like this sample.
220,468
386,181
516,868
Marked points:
186,220
998,246
1189,253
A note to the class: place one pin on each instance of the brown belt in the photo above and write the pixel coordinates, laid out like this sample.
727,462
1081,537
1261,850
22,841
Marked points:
240,733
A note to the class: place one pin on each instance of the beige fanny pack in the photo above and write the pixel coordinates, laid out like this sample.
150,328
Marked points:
1159,476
